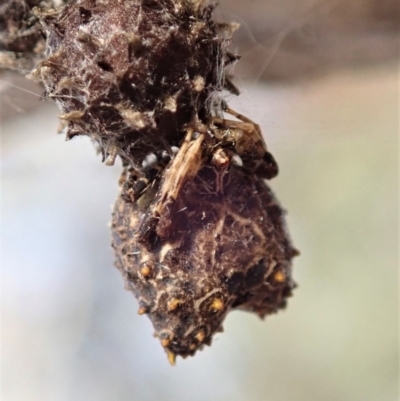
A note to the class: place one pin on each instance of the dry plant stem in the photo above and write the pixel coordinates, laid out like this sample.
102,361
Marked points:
196,230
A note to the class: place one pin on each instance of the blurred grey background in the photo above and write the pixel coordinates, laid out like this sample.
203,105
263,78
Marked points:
330,114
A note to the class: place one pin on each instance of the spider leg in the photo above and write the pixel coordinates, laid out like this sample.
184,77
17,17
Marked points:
231,87
231,58
239,116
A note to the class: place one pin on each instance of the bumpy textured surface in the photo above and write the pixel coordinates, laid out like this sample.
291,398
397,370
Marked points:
130,74
196,230
201,244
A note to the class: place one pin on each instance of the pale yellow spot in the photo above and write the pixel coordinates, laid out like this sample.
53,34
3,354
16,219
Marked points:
279,276
171,357
145,271
165,342
217,304
142,310
173,303
200,336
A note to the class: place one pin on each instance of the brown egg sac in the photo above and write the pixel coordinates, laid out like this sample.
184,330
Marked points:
130,74
199,245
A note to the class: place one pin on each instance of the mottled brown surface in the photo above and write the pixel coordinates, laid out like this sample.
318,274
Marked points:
201,244
131,74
